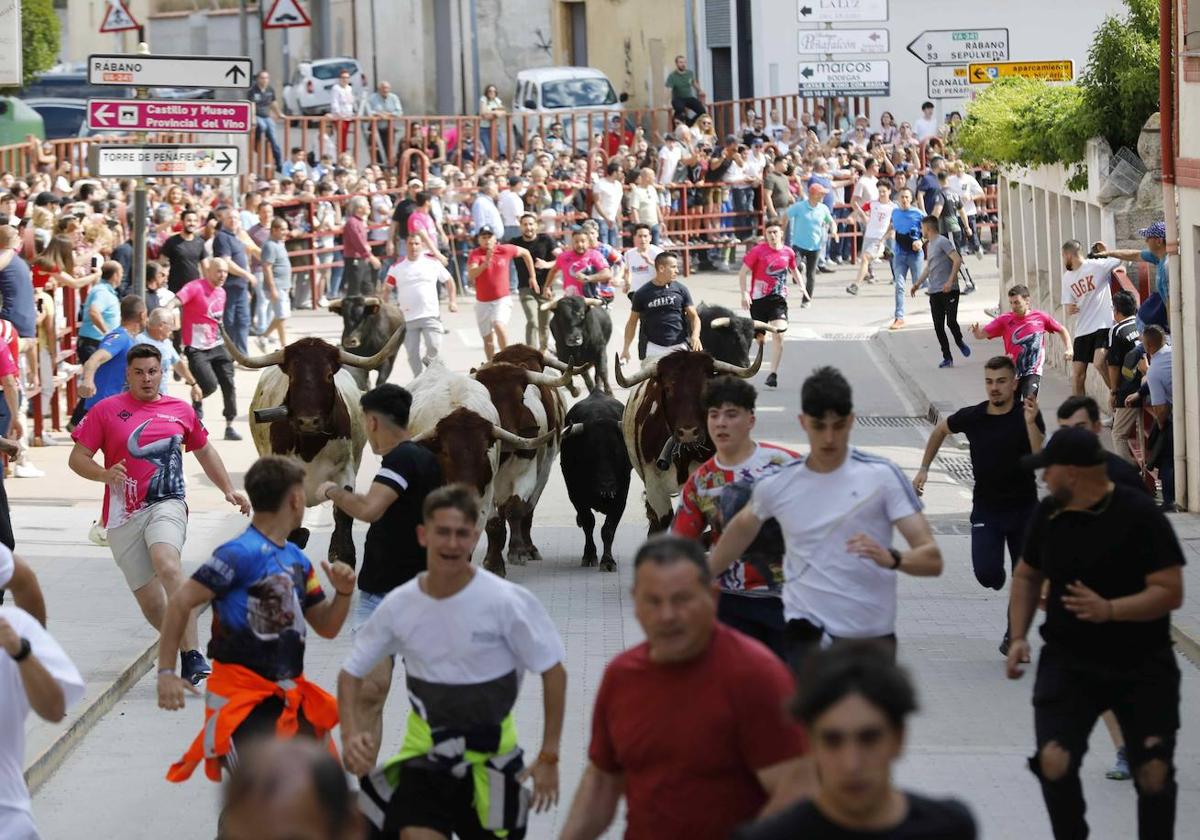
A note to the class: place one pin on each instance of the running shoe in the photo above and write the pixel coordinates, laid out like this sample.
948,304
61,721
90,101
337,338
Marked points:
261,341
1119,772
23,470
195,668
232,433
772,380
824,269
946,363
804,304
852,289
965,349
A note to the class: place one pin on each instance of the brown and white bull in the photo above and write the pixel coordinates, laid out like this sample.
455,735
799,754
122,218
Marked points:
307,406
529,405
665,424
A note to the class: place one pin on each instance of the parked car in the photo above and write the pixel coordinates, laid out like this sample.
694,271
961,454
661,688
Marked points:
62,118
308,90
543,93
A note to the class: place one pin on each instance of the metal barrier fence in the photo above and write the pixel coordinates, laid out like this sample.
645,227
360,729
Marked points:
64,350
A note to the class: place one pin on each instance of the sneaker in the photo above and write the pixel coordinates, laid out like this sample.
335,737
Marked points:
772,380
323,302
1119,772
195,668
98,534
824,269
897,324
261,341
232,433
965,349
946,363
22,470
852,289
804,304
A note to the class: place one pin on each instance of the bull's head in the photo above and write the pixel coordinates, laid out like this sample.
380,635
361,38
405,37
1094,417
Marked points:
567,321
354,309
729,337
461,441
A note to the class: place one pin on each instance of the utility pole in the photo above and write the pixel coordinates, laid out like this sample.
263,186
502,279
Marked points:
138,264
322,29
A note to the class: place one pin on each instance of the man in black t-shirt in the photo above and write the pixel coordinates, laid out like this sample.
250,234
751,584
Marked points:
391,555
543,249
1123,338
398,232
1114,568
854,702
1000,430
665,310
184,252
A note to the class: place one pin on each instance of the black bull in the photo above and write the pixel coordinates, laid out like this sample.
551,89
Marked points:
367,324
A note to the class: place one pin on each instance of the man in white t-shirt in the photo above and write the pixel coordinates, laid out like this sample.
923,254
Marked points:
467,638
18,580
639,260
34,674
414,281
926,125
878,229
837,508
668,158
607,191
1087,294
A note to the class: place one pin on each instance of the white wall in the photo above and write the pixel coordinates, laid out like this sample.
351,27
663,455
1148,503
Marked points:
1038,31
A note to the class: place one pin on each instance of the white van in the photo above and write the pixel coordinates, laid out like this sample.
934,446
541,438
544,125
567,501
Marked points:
544,93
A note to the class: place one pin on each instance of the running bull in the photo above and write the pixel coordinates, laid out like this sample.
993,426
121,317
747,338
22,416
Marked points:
595,467
665,425
728,336
306,406
581,328
367,324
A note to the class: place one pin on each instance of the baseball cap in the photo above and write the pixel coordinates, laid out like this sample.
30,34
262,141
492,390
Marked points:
1070,447
415,182
1158,230
485,230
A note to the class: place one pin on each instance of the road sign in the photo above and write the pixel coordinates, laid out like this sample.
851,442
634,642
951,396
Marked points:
1047,71
10,43
170,71
117,18
842,11
948,81
960,46
286,14
843,41
160,161
196,116
853,77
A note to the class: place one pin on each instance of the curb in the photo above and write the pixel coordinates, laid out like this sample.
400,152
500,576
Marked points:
1188,644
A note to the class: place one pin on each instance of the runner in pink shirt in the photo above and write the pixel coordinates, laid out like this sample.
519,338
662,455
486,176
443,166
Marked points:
202,301
143,435
573,265
770,264
1024,331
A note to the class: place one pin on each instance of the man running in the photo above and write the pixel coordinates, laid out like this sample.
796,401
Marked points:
201,303
878,230
1000,431
639,260
1107,631
717,490
837,508
578,266
1087,294
415,278
771,265
908,258
809,222
263,589
1024,330
467,638
143,435
664,308
392,555
543,248
941,275
488,268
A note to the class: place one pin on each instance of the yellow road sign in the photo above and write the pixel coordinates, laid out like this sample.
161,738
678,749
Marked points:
1047,71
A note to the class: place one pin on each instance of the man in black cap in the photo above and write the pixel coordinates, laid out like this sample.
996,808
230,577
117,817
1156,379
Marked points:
1107,633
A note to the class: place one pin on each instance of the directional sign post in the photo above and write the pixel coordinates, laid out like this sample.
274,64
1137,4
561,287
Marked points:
192,116
157,161
844,41
948,81
960,46
841,11
853,77
1046,71
170,71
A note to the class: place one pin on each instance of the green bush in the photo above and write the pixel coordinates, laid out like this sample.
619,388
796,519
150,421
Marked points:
1021,122
39,37
1120,84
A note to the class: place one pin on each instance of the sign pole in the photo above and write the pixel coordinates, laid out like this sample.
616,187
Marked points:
138,264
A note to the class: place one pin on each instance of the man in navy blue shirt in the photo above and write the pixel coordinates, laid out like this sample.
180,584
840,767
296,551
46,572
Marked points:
928,189
227,244
104,371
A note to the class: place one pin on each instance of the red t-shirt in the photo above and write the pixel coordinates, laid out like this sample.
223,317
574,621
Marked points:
493,282
203,306
690,738
770,268
1024,338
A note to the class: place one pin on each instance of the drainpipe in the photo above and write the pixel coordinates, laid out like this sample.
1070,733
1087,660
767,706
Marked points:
1166,123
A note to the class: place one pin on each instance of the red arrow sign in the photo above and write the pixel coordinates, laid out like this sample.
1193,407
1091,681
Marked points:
191,116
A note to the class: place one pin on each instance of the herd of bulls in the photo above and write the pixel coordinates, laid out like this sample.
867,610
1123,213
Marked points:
500,427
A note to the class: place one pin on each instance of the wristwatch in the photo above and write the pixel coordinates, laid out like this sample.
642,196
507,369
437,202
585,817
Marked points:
22,654
896,558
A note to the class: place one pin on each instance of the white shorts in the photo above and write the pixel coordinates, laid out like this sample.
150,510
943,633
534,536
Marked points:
873,247
653,349
491,312
129,542
282,309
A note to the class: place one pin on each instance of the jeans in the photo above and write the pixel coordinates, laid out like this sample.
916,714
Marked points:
841,247
809,258
991,530
213,368
266,125
262,309
905,262
655,234
237,315
743,206
537,322
485,140
943,306
758,617
84,348
610,234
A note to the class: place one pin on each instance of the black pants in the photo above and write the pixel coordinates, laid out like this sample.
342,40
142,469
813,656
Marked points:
758,617
943,306
803,638
1143,693
357,278
682,105
6,529
810,267
84,348
1028,385
213,368
991,530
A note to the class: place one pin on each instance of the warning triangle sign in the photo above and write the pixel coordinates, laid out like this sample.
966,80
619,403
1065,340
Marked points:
118,18
285,14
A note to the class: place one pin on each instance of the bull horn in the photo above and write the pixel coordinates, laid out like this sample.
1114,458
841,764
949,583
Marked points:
576,370
734,370
253,362
425,435
593,301
717,323
549,305
334,305
547,379
550,360
518,442
371,301
763,325
573,429
641,376
373,362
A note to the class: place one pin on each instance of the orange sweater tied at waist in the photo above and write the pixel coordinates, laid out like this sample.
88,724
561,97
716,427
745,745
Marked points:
232,693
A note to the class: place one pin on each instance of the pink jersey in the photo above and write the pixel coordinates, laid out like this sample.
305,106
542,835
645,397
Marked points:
770,269
202,304
8,365
574,268
150,438
1024,338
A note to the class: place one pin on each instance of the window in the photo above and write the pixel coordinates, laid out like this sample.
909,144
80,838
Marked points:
578,93
332,69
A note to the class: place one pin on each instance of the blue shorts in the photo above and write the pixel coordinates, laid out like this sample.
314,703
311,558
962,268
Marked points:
366,604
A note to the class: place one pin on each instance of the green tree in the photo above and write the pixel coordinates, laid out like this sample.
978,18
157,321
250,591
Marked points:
1120,84
39,37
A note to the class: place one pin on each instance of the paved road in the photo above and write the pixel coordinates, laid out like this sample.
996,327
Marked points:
970,739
